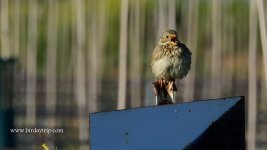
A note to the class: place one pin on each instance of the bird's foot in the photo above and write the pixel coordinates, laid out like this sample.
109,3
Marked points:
172,86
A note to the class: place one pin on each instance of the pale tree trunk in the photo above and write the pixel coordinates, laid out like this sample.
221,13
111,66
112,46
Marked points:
80,74
135,60
51,59
172,14
263,34
216,49
252,77
16,41
123,55
31,65
97,42
192,44
51,63
93,68
162,17
5,33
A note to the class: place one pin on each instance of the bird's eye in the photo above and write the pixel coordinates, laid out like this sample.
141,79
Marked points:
167,36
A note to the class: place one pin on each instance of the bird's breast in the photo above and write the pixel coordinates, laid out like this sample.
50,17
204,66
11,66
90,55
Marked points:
171,63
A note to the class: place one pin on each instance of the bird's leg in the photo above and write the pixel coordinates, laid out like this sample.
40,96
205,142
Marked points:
161,82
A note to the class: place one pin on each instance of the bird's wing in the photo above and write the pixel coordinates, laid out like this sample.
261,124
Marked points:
184,48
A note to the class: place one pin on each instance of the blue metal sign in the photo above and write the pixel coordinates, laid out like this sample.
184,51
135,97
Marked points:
172,127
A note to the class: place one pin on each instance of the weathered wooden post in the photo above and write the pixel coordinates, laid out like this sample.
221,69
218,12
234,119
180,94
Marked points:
164,94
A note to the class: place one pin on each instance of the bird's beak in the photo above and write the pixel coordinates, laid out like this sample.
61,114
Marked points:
174,38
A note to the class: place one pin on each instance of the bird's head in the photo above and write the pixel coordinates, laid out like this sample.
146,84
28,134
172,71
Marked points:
169,37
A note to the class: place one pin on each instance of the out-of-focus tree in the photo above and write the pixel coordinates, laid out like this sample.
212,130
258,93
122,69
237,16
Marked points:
263,34
31,64
51,64
123,55
252,76
135,53
96,40
80,84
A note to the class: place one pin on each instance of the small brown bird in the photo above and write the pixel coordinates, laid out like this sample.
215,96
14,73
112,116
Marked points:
170,60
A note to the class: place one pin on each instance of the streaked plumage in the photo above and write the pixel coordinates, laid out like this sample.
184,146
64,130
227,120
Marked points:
170,59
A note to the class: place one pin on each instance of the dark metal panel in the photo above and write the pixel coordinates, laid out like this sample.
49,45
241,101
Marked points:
171,127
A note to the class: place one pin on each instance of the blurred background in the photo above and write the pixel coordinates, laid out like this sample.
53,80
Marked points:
63,59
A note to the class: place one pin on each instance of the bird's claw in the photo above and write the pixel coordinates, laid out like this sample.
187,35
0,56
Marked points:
170,86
